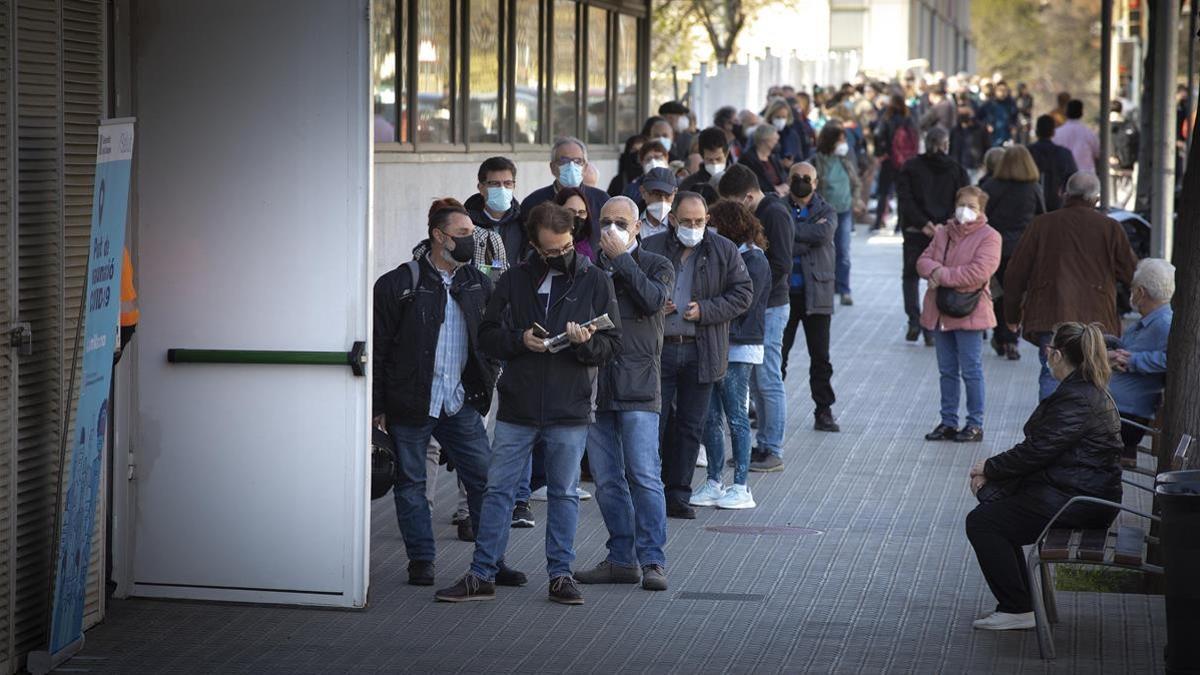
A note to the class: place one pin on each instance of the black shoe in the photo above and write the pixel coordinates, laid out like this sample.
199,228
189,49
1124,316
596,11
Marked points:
680,510
420,573
757,454
998,346
928,339
465,531
969,435
824,422
1010,351
468,588
522,515
565,591
943,432
913,333
507,576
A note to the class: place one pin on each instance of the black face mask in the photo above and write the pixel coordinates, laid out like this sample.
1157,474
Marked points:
581,228
464,249
560,263
801,188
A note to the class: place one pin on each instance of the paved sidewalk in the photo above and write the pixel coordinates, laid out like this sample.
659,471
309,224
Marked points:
888,583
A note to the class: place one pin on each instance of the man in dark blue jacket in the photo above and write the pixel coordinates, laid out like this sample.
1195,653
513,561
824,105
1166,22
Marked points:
1054,162
545,393
623,441
568,158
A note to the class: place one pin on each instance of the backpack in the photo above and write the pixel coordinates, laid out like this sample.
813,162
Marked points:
904,144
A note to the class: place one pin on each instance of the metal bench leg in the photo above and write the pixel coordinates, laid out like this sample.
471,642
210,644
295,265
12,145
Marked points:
1048,597
1045,637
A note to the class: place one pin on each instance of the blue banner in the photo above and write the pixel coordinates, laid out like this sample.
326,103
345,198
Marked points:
110,205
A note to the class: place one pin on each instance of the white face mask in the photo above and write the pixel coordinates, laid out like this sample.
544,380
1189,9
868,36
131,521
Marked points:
659,210
682,123
965,214
689,237
654,164
714,168
621,234
842,149
779,123
665,140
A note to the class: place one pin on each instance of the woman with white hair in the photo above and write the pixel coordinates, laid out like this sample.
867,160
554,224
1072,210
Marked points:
1139,357
760,158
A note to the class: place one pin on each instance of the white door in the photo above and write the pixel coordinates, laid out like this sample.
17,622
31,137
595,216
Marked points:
252,194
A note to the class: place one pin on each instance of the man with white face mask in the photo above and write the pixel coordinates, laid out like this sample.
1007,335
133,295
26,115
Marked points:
657,191
712,287
714,155
676,115
623,439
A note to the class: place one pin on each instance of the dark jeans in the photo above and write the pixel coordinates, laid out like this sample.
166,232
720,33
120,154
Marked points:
915,244
883,190
1003,335
680,430
816,334
997,531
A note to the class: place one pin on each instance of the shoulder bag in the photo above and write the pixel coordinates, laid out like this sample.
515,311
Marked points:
955,303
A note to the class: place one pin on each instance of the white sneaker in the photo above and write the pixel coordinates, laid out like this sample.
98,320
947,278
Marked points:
538,495
583,495
702,458
708,494
1006,621
736,497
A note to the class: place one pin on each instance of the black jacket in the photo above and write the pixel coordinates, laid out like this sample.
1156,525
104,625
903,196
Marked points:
700,183
722,288
511,227
631,381
540,388
926,188
968,143
814,254
750,327
407,325
1056,164
750,160
1010,208
776,219
1071,447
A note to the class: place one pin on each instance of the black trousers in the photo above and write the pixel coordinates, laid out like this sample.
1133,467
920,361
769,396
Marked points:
997,531
681,423
816,334
915,244
1131,436
883,191
1003,334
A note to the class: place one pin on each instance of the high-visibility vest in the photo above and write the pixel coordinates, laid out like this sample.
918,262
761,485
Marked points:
129,306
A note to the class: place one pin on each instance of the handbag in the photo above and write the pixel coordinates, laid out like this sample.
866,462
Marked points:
955,303
383,463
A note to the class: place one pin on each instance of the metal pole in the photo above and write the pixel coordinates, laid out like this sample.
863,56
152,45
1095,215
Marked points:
1162,201
1106,31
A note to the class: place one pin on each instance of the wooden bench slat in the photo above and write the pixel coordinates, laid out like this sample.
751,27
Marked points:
1091,545
1131,545
1056,545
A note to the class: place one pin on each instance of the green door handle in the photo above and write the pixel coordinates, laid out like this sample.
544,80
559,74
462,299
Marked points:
356,358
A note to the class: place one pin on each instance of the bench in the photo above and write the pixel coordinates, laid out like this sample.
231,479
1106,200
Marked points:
1120,546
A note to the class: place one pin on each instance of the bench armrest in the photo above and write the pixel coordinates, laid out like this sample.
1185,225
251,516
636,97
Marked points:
1139,425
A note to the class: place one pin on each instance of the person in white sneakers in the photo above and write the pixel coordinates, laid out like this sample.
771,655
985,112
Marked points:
730,395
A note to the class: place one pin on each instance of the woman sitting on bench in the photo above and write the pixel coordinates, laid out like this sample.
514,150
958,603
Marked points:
1071,447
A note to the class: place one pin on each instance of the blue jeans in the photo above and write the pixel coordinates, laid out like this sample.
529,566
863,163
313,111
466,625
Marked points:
535,472
770,398
841,242
623,454
510,454
960,355
729,402
1046,382
465,440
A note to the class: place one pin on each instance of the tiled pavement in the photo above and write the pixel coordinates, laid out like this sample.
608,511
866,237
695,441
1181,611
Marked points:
888,585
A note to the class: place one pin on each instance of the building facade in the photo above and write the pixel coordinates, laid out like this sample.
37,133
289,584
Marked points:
933,35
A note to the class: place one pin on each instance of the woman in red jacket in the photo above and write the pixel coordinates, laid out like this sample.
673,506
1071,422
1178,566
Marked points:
958,264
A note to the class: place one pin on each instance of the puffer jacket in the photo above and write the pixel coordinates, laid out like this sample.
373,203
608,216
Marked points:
1011,207
1071,447
968,254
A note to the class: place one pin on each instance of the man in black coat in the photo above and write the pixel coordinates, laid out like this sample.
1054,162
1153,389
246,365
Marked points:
714,153
545,393
623,441
568,158
494,208
925,194
1055,163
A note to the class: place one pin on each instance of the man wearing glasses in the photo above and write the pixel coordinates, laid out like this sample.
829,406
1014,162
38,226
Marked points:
623,441
568,160
497,211
544,396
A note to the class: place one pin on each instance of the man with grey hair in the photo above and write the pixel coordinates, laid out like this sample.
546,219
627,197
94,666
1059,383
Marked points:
1139,358
568,164
925,194
1066,268
623,439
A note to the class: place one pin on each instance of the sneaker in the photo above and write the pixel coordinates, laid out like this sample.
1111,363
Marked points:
465,531
507,576
969,435
942,432
420,573
847,300
708,494
702,457
538,495
654,578
583,495
1005,621
737,497
768,464
523,515
608,573
468,588
565,591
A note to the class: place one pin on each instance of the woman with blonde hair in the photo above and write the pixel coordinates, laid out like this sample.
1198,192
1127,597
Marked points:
1071,448
781,116
1014,198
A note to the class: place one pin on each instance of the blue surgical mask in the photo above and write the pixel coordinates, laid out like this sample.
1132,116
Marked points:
570,175
666,142
499,199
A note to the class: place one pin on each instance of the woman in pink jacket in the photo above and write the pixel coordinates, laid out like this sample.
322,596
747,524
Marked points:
963,256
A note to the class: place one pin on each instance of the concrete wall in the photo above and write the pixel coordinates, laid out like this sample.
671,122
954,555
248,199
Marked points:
406,183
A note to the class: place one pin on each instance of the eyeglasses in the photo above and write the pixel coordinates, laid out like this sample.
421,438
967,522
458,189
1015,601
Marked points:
609,222
692,224
553,253
580,214
510,184
804,177
577,161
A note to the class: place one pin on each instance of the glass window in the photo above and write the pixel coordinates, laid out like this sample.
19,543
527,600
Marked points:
526,85
483,108
597,78
433,71
627,100
562,100
387,72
